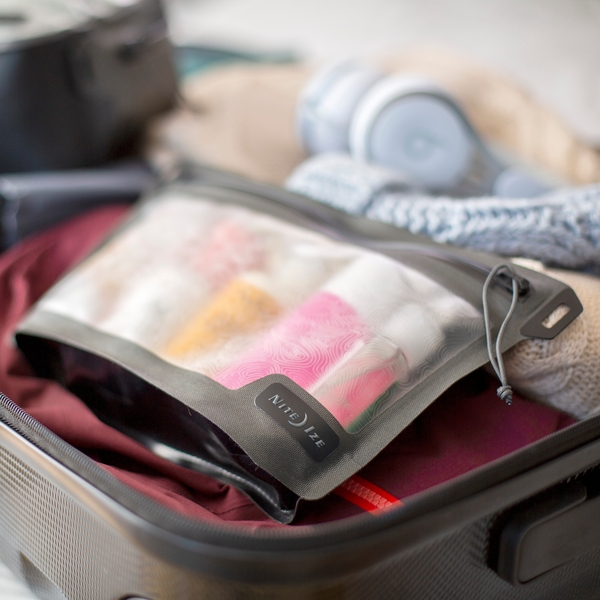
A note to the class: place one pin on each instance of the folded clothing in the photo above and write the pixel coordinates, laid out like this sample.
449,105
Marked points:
561,228
239,118
563,372
441,444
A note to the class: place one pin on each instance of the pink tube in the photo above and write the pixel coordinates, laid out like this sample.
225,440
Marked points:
303,346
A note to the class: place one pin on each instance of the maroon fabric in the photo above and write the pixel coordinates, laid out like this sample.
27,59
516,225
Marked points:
465,428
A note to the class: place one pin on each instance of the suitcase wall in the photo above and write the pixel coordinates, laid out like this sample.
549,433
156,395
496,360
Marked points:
65,549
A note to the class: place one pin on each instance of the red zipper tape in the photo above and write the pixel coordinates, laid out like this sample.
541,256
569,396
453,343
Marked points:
365,494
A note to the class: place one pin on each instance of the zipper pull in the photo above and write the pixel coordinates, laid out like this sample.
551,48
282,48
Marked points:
504,273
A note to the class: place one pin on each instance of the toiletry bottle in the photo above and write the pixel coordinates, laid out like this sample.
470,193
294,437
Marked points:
249,303
158,300
359,379
326,329
411,340
162,235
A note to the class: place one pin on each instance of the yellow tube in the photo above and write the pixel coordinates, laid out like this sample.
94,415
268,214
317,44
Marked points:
239,308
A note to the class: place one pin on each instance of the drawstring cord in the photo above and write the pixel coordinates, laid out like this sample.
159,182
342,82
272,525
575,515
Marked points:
505,391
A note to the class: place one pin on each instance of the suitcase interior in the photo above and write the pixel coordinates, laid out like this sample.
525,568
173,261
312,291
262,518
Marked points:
521,526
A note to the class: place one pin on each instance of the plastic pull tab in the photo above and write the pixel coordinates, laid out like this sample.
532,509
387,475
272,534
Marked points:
538,325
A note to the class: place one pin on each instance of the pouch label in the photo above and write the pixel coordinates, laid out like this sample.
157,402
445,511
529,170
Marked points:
299,419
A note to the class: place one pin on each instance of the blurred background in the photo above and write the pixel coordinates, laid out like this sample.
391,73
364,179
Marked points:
550,47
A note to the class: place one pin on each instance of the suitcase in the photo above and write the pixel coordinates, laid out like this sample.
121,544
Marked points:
520,527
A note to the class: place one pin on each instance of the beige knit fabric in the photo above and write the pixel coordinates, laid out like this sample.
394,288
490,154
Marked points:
563,372
242,118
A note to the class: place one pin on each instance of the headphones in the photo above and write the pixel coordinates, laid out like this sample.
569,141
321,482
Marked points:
407,124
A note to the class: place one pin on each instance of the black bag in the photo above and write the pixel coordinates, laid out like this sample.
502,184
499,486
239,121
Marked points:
79,80
30,202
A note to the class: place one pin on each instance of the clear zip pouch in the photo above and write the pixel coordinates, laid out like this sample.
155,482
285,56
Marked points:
277,350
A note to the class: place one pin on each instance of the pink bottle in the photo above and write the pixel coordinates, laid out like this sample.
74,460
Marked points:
302,346
328,330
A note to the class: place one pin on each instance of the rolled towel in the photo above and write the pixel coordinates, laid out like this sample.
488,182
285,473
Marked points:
561,228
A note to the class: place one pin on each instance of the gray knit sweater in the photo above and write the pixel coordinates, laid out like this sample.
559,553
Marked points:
561,228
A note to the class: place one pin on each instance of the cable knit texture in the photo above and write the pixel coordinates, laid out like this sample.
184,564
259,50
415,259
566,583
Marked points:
563,372
561,228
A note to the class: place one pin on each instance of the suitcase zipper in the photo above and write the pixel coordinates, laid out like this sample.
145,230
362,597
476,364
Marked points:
366,495
291,538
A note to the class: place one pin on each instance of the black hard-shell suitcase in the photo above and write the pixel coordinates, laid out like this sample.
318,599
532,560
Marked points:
521,527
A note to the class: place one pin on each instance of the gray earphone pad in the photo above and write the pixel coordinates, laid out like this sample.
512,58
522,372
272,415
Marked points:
408,124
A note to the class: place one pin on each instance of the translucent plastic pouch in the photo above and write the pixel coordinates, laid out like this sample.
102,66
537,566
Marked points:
264,353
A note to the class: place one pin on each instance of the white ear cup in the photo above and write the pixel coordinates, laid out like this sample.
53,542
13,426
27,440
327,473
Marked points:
327,103
410,125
